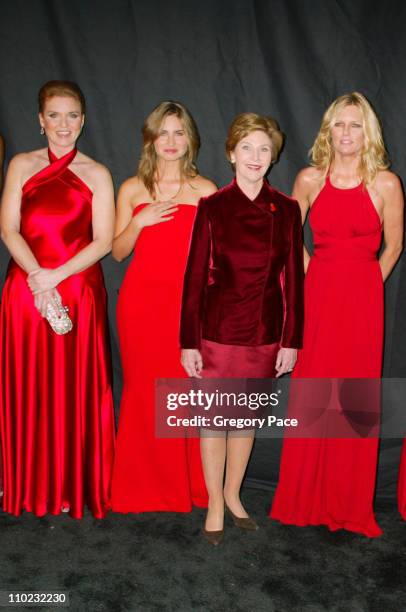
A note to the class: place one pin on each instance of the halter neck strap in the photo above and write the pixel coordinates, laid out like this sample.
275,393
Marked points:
65,159
56,166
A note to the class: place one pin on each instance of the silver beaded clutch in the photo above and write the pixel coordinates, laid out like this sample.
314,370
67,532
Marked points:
58,318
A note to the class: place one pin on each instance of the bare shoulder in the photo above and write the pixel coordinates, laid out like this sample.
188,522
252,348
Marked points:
132,192
26,160
204,185
307,186
387,181
309,177
132,185
24,165
94,174
91,167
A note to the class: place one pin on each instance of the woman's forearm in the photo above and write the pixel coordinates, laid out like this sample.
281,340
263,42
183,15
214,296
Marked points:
388,259
306,259
123,244
19,250
88,256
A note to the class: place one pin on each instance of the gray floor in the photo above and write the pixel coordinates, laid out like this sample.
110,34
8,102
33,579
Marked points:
160,562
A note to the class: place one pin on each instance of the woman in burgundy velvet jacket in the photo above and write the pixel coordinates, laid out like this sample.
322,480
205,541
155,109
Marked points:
242,309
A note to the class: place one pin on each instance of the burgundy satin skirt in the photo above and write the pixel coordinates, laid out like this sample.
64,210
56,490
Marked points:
233,361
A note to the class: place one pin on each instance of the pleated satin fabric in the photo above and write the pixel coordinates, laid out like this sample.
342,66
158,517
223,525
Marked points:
56,409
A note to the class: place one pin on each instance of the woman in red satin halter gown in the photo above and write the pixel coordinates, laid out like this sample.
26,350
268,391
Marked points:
155,213
352,197
56,409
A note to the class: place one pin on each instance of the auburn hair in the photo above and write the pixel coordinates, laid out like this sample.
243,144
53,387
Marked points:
64,89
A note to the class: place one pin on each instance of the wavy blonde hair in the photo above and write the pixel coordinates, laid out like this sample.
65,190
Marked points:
245,123
147,167
373,156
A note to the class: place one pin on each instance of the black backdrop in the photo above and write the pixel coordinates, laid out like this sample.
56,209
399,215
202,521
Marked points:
288,58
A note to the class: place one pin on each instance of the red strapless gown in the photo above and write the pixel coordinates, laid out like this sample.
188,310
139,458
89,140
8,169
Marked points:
56,409
150,473
332,481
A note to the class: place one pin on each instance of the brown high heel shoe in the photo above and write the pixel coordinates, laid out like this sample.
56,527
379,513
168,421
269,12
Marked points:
213,537
246,523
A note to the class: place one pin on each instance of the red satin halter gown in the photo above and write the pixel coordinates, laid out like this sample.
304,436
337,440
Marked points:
56,409
150,473
331,481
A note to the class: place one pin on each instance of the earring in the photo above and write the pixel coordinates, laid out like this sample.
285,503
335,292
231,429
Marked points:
42,131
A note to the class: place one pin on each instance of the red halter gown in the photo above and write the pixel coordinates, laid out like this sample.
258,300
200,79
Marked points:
331,481
151,473
56,409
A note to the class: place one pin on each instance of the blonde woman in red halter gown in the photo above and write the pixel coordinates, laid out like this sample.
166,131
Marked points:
56,409
352,197
155,214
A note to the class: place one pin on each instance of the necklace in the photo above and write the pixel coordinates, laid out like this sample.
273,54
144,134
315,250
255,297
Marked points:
172,197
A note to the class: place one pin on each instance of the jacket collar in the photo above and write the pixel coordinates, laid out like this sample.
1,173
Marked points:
263,199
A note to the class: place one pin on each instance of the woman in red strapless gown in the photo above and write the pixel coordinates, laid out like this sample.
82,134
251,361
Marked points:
56,409
331,481
151,473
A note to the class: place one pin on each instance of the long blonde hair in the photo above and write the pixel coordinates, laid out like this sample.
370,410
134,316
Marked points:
373,156
147,167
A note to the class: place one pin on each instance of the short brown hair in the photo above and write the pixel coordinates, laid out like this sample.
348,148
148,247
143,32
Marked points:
67,89
150,131
245,123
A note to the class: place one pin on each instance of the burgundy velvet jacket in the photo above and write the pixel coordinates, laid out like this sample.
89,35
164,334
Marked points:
244,277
